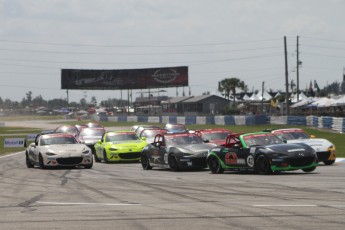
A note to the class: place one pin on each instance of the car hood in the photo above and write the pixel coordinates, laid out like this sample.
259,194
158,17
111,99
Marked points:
218,141
317,144
289,149
71,149
195,148
128,144
91,140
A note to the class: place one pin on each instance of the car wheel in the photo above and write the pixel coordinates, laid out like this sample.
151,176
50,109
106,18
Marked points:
145,162
89,165
309,169
329,162
173,163
40,162
262,165
96,157
214,165
29,164
105,158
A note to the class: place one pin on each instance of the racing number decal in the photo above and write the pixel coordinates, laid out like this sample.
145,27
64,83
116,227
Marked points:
250,161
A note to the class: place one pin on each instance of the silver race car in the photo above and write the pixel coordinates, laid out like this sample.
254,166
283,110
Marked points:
58,149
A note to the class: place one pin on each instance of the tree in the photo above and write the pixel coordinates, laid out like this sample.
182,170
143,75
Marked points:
228,85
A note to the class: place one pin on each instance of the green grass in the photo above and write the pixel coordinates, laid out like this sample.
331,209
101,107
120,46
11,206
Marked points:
14,132
336,138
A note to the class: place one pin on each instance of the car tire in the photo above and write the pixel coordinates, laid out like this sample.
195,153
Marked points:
40,162
29,164
173,163
96,157
88,166
214,165
262,165
145,162
105,158
309,169
329,162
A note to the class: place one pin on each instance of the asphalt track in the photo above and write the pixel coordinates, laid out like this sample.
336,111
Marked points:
124,196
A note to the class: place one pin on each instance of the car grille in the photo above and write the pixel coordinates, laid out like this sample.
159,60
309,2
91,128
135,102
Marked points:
199,162
302,161
70,161
129,155
323,155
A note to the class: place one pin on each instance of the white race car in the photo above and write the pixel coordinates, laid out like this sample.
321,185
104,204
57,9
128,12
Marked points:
58,149
324,149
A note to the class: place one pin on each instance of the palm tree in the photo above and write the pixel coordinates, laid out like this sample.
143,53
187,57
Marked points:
228,85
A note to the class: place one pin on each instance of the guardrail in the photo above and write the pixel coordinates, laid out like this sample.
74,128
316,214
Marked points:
332,123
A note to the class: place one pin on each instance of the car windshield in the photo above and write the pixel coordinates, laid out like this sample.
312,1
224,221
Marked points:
291,135
91,132
183,139
60,140
261,139
152,133
215,136
121,137
176,128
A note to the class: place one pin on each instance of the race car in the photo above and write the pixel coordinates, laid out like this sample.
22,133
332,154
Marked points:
325,150
176,128
217,136
90,136
150,133
58,149
261,152
119,146
176,151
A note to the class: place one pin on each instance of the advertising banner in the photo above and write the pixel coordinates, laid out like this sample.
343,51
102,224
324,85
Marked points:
124,79
14,142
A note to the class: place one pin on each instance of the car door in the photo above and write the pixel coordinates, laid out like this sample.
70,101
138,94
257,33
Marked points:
158,151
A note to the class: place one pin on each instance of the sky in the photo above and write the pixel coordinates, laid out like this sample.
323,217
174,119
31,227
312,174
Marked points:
216,39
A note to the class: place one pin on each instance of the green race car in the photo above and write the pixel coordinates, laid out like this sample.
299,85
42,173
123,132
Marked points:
261,152
119,146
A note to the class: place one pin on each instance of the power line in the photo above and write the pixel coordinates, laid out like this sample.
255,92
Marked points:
139,46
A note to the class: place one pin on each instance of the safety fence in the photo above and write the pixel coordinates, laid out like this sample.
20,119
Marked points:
332,123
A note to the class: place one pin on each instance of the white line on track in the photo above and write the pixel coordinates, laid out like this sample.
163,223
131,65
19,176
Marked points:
283,205
100,204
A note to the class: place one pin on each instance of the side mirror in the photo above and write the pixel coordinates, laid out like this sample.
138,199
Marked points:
206,141
32,145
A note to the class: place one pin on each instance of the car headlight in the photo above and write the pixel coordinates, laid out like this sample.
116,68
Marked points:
86,151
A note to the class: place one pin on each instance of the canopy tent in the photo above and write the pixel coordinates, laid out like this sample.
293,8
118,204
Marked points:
322,102
301,97
339,102
304,102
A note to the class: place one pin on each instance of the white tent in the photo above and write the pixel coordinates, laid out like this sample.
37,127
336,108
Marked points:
322,102
339,102
305,101
258,97
246,97
301,97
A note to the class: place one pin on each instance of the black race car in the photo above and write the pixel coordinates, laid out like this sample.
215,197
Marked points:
261,152
176,151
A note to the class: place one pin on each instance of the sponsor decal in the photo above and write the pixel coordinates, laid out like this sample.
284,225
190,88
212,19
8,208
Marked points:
189,163
252,150
250,161
230,158
296,150
14,142
215,149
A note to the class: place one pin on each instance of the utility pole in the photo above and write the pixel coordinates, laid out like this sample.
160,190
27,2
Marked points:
286,79
262,97
297,69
